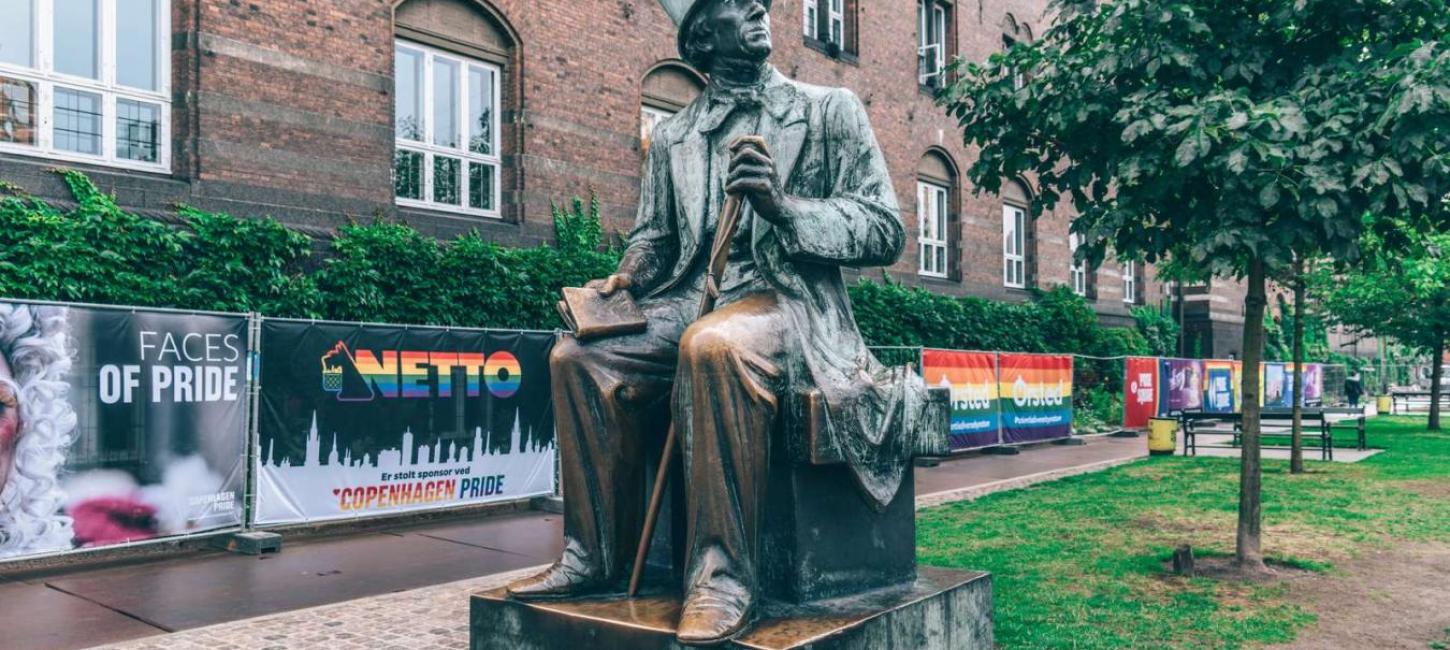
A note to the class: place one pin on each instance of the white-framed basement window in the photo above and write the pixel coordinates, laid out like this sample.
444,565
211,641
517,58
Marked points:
650,118
1079,269
836,23
87,81
810,16
1130,282
1014,247
446,123
931,217
931,29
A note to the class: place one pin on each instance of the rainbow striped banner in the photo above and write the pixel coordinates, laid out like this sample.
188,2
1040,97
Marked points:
1036,397
972,378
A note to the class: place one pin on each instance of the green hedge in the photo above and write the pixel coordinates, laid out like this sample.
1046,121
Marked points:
389,272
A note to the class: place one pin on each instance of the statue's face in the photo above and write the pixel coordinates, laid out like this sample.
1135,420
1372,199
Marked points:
9,423
741,29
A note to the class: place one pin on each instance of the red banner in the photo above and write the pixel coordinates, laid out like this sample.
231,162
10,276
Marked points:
1140,392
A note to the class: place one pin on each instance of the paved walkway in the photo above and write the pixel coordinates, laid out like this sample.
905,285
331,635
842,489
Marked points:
400,587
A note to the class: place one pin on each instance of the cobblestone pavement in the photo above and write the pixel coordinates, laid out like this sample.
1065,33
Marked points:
431,618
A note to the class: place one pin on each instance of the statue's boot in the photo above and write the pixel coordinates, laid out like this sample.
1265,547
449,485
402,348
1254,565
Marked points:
570,576
711,618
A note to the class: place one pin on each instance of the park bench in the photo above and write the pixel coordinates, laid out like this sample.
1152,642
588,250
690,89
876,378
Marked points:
1319,427
1403,402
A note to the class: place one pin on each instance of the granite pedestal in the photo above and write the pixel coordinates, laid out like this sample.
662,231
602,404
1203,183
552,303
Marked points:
942,609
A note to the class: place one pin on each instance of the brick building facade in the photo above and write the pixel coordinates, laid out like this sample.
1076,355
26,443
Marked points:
301,110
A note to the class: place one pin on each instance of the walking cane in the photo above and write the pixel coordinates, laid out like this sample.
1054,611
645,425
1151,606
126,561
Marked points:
719,253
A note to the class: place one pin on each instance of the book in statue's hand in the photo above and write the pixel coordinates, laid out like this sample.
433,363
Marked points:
591,314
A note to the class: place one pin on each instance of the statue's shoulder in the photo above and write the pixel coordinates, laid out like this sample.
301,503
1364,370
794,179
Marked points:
834,102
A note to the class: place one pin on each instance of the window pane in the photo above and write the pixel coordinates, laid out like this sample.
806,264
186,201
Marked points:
408,174
136,43
17,31
941,259
75,37
17,111
138,128
445,104
445,180
480,110
408,94
77,121
480,186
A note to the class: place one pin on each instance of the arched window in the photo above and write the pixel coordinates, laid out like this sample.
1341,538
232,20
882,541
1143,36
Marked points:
1018,241
668,87
1014,32
452,60
936,198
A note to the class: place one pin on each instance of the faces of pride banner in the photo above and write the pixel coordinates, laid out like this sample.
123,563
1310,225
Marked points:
118,425
1211,385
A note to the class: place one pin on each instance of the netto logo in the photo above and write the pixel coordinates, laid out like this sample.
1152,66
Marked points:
367,375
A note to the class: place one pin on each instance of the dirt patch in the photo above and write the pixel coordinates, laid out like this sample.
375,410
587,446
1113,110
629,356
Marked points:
1228,572
1438,490
1387,599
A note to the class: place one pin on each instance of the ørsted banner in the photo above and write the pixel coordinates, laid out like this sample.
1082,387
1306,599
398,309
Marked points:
118,425
361,420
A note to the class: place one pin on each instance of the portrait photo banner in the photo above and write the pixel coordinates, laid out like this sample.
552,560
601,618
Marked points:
1140,391
118,425
1278,386
1036,396
365,420
1181,386
972,377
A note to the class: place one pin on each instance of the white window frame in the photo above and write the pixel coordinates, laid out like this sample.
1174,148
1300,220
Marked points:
836,23
1130,282
931,29
46,79
933,210
649,119
1014,246
1077,270
460,118
810,17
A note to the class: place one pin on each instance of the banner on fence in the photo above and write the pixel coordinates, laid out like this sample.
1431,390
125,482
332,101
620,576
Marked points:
1036,396
972,377
1277,387
1140,394
1313,384
1220,387
1181,386
118,425
360,420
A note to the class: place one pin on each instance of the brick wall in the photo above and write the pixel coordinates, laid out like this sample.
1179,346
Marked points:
286,108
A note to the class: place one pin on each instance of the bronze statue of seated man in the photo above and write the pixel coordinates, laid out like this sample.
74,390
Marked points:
817,197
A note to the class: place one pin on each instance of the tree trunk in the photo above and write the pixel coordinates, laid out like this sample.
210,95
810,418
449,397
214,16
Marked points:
1436,376
1248,552
1296,445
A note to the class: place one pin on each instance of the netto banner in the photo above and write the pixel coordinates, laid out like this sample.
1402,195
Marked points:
972,378
118,425
360,420
1036,397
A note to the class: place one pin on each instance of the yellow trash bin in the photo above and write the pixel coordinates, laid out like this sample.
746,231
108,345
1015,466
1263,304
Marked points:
1384,404
1162,436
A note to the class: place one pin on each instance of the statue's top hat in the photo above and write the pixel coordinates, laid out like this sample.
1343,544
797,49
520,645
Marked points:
682,12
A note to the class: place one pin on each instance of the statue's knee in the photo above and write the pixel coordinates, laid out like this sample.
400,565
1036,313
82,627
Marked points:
704,342
567,355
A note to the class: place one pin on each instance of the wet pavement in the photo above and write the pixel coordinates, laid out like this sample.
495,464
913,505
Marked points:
387,588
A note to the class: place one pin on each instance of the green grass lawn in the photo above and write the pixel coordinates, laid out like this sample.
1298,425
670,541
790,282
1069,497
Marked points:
1078,563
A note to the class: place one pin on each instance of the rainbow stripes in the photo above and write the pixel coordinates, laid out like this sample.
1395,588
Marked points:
503,374
421,374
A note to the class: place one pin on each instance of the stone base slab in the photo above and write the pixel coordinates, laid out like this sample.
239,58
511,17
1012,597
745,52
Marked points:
943,610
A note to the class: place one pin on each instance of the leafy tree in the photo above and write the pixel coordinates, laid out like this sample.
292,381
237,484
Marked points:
1402,293
1230,134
